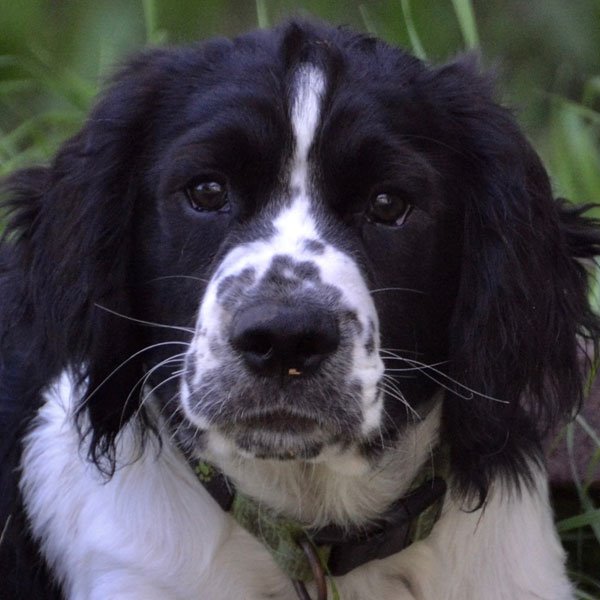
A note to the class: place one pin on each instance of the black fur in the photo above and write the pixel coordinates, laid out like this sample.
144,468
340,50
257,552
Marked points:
103,231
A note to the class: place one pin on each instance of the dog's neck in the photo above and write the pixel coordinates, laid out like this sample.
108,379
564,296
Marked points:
342,487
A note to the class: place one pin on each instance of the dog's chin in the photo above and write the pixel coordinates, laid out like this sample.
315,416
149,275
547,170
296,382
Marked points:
276,435
319,447
272,445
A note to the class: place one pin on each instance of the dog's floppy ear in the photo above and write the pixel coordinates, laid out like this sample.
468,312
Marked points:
522,307
69,235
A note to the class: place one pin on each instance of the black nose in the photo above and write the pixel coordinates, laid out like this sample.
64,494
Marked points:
275,338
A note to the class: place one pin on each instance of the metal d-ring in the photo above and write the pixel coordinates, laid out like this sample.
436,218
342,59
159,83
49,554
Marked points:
317,570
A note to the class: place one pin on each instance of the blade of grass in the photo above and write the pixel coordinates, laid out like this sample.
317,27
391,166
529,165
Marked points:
38,68
583,111
415,40
149,18
593,467
154,35
466,20
590,581
62,83
262,15
10,86
578,521
574,158
367,19
581,421
35,124
584,499
583,147
591,91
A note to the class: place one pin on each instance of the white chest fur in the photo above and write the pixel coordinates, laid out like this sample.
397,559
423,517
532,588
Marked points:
152,532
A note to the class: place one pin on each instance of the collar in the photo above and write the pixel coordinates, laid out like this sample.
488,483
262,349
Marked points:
304,553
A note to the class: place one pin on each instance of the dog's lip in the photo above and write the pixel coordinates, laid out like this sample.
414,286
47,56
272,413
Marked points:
277,421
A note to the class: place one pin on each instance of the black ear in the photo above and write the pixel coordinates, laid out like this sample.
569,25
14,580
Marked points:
69,238
522,310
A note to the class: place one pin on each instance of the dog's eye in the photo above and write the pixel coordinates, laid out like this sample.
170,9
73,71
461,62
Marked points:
388,208
207,195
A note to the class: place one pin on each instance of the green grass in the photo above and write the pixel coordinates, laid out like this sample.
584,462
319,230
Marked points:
55,55
585,523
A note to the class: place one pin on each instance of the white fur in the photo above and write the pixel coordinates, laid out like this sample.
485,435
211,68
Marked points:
152,532
306,109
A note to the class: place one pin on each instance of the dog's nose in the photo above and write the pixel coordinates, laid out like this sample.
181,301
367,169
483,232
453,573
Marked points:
275,338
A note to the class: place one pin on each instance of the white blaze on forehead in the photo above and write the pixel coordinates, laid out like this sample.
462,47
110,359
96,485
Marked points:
295,222
309,86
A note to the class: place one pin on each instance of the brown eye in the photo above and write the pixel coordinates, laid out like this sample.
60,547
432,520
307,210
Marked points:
207,195
388,209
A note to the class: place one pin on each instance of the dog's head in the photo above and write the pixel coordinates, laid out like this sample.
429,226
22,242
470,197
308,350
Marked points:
306,234
285,358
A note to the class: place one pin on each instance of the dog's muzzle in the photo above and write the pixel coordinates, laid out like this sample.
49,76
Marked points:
284,360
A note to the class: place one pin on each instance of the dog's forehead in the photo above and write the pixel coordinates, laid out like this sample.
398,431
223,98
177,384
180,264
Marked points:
306,102
294,228
296,220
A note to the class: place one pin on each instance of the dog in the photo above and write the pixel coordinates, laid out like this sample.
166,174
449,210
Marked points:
284,296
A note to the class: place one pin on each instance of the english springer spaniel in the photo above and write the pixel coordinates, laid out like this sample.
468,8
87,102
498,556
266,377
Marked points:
289,317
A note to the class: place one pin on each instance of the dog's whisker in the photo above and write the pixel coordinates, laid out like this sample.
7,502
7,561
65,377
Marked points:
89,395
147,396
5,528
190,277
407,350
180,371
392,390
409,369
175,359
413,367
426,368
173,433
143,322
141,382
396,289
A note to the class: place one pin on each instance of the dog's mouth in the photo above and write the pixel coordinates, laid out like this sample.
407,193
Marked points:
279,435
278,422
258,418
277,446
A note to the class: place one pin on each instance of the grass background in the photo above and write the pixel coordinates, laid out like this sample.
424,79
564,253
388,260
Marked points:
55,54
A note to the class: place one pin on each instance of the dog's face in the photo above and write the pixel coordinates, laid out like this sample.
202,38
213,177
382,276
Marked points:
324,223
324,232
